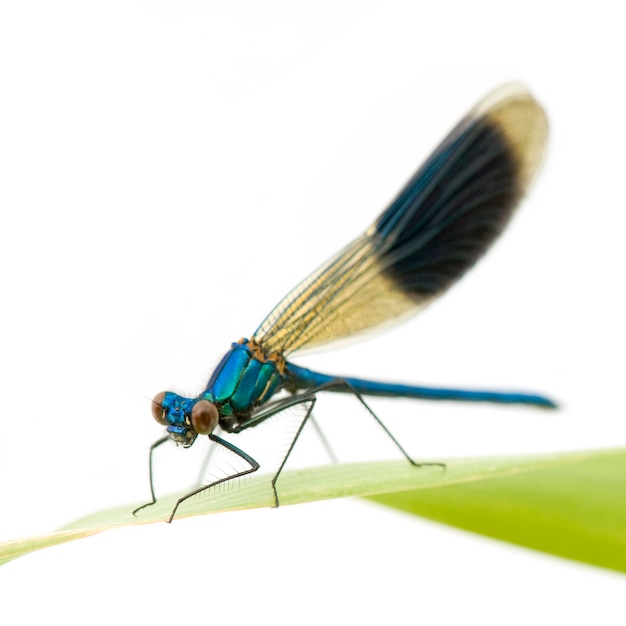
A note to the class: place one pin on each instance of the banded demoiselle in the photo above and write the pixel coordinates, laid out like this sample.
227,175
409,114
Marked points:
436,228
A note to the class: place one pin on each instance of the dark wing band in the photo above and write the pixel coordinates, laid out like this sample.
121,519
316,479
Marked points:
438,226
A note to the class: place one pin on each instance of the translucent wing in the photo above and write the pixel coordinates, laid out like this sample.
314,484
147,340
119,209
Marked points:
438,226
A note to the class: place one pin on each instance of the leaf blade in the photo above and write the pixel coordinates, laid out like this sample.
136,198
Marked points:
573,510
586,485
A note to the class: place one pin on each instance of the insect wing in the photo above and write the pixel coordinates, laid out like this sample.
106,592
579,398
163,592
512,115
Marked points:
437,227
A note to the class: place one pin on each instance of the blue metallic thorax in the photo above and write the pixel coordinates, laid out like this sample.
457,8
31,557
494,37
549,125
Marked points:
244,379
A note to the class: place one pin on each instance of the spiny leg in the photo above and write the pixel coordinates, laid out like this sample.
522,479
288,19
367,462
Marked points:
153,447
274,408
254,466
310,399
205,463
341,382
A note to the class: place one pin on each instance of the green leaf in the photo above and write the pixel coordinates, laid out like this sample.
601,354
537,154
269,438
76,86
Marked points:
568,504
575,508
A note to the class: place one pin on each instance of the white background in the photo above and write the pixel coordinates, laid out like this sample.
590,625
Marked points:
168,170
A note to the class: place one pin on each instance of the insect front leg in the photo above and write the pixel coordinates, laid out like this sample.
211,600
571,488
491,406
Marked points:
254,466
206,462
153,447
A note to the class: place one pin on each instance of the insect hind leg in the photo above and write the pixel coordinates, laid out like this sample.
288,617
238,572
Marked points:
341,384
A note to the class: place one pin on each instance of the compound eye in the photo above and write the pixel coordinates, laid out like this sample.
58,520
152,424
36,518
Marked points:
158,412
204,417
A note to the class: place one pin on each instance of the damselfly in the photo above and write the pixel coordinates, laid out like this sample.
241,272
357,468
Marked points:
436,228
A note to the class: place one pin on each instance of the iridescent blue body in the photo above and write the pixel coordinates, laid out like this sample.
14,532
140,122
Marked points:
437,227
243,382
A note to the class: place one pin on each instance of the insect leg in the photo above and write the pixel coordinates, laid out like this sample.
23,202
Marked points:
206,462
254,466
341,382
310,399
323,439
153,447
